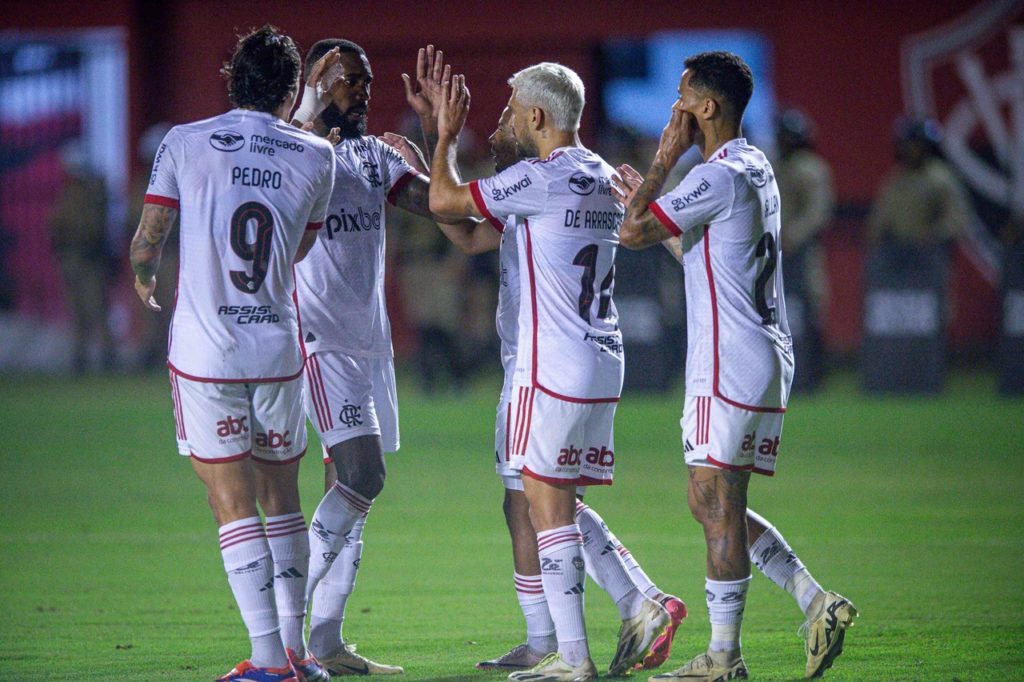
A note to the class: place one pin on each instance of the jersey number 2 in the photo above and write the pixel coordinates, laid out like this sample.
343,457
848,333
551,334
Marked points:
587,259
258,251
765,249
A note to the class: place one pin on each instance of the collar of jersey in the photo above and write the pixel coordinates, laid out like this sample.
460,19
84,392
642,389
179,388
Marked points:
257,114
727,143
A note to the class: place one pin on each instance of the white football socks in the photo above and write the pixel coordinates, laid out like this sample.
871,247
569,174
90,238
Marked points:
776,560
562,575
726,599
243,545
540,629
331,595
332,521
289,547
604,563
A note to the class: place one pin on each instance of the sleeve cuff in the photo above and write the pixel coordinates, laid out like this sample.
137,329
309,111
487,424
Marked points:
663,218
478,199
161,201
400,183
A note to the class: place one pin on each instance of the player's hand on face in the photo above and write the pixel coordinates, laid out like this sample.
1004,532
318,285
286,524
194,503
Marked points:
145,291
454,106
409,151
324,75
424,94
678,134
625,183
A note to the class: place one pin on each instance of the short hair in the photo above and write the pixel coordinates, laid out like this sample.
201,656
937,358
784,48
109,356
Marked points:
263,69
725,74
322,47
556,89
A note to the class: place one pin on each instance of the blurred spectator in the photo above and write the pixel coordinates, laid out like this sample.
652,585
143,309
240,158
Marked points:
430,276
808,200
78,234
921,202
153,326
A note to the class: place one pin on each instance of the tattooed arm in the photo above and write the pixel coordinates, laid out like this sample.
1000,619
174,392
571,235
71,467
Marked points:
147,246
641,228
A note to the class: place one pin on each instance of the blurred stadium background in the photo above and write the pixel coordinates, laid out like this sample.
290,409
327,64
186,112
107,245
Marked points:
86,89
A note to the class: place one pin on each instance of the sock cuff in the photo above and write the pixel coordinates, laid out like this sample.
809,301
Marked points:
580,507
740,584
559,538
286,524
352,499
240,531
528,585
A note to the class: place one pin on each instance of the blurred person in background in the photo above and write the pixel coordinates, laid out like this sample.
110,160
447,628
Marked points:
78,234
154,325
921,206
807,195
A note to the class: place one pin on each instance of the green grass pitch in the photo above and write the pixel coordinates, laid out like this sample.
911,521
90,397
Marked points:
910,507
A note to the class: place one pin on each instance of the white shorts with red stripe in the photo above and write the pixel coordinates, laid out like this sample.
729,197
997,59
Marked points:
559,441
223,422
717,434
349,396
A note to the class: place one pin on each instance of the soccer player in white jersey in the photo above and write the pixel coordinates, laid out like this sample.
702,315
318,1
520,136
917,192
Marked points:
350,377
739,363
607,560
569,361
252,192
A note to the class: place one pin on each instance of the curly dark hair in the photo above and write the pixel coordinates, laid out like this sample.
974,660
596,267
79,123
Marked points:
263,69
725,74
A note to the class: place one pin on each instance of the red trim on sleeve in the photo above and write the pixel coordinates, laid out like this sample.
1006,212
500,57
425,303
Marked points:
314,226
663,218
497,224
400,183
161,201
478,199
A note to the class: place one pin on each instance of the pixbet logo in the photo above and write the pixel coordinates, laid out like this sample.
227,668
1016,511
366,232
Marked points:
362,221
232,426
273,439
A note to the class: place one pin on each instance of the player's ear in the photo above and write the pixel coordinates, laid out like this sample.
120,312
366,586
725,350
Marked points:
537,118
711,108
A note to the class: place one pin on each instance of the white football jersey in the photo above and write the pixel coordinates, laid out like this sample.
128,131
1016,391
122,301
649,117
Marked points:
341,281
507,315
247,185
569,344
726,211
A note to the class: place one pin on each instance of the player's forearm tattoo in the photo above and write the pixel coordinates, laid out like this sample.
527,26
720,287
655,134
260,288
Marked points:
148,243
416,198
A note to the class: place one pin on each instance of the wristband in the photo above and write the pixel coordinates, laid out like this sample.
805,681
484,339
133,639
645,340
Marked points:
310,107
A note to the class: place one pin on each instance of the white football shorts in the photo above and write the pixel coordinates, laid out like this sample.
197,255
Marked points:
223,422
349,396
717,434
559,441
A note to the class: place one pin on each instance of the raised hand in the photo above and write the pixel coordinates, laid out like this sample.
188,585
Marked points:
678,136
625,183
454,109
424,94
317,93
409,151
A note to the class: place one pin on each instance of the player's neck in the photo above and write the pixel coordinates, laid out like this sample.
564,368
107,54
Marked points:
716,135
550,140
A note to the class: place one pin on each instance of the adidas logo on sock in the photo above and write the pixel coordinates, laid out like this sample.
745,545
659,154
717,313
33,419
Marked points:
576,589
290,572
609,547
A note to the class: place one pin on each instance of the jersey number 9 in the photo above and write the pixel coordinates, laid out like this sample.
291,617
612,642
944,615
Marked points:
258,251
